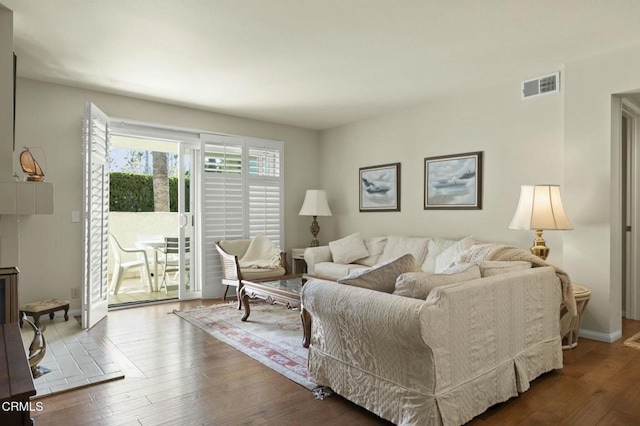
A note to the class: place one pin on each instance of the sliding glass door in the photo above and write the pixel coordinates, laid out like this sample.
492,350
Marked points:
189,246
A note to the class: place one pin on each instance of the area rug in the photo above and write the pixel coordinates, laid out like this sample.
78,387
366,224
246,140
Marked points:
73,358
272,335
633,341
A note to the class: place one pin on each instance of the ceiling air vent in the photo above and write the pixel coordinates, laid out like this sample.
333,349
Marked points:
541,85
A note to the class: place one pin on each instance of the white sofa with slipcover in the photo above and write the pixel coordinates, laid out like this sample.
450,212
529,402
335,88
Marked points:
434,348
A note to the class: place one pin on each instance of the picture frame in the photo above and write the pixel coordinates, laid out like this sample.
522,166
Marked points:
380,188
453,182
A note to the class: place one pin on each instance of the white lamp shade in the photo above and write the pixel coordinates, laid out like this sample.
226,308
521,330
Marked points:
315,203
540,207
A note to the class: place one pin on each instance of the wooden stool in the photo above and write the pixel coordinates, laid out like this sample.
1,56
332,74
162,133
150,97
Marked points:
36,309
570,325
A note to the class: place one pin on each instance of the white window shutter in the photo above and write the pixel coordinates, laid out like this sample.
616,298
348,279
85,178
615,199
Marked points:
242,194
265,189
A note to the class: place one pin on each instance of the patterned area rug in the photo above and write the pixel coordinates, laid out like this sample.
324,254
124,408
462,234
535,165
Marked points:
633,341
272,335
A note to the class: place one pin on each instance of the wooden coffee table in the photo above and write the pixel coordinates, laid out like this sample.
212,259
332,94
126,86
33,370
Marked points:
283,290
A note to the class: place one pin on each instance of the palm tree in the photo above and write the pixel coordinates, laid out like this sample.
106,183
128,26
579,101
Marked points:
160,182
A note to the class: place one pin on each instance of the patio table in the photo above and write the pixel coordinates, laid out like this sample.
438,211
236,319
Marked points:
153,244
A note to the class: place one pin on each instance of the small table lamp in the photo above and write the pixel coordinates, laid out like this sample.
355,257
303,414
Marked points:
315,204
540,208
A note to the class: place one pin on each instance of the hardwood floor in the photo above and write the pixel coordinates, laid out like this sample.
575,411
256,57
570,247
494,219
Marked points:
176,374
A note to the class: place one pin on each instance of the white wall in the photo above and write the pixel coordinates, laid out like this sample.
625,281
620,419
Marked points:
565,138
521,141
8,224
50,115
592,251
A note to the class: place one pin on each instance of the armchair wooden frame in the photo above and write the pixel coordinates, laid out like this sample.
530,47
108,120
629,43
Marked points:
232,274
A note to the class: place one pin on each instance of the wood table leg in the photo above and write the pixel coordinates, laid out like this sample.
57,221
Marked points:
239,295
306,327
245,302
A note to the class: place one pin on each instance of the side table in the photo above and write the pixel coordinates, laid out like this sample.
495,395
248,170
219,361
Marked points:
299,265
570,325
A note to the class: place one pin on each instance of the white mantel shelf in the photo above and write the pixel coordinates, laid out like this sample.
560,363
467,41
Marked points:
26,198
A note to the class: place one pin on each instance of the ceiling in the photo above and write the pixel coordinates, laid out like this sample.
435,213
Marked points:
314,64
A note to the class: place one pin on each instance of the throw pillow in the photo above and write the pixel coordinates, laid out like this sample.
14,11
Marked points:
375,247
348,249
448,257
435,247
418,285
490,268
382,277
398,246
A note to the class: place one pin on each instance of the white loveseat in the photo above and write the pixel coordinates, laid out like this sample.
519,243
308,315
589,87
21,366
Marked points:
439,361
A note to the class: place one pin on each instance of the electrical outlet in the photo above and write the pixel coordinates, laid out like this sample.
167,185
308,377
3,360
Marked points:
75,293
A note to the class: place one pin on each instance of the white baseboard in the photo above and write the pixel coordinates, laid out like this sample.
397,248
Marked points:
601,337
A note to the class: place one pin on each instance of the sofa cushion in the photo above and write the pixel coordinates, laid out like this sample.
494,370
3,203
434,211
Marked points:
435,247
489,268
418,284
448,257
382,277
235,247
251,274
399,246
335,270
348,249
375,247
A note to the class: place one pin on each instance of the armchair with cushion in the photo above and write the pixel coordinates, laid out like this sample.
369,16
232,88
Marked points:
235,270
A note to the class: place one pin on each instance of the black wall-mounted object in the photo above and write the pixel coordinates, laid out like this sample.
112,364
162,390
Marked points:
15,76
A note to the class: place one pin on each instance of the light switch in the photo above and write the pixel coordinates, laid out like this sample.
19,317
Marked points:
75,216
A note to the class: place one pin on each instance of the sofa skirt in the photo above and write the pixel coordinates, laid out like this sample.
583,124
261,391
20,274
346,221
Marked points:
410,404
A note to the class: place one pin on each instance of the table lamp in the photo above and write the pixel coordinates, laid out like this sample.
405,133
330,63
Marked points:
540,208
315,204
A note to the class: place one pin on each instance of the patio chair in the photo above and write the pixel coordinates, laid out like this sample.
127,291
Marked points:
170,261
232,274
121,267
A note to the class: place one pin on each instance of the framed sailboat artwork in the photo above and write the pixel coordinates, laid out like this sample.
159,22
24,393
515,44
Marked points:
380,188
453,181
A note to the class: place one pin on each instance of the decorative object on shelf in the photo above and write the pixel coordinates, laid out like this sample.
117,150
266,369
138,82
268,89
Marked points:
315,204
540,208
380,188
453,182
30,166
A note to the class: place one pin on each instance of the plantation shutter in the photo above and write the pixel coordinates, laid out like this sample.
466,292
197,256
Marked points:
242,196
223,201
96,216
264,183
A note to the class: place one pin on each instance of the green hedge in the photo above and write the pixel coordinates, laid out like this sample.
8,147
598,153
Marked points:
129,192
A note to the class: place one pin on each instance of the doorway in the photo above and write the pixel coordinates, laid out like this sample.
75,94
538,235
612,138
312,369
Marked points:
629,131
163,248
143,211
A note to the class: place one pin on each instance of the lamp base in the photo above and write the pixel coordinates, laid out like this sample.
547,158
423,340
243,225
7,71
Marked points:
315,230
540,248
